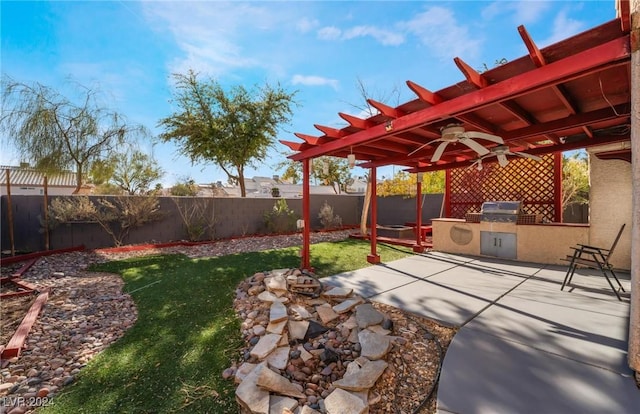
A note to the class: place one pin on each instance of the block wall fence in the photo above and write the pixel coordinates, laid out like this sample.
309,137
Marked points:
234,217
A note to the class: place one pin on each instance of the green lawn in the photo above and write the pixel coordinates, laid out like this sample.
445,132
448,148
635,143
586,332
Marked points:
187,333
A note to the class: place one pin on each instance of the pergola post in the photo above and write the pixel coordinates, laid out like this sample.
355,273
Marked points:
418,247
557,187
374,257
306,216
634,319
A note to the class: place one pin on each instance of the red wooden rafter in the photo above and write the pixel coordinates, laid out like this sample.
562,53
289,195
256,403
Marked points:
607,55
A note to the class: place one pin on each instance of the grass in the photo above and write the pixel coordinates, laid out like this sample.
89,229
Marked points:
187,333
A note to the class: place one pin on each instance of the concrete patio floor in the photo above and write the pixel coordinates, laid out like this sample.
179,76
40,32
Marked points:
523,346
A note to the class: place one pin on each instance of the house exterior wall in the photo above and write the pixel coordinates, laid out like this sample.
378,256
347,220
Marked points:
35,190
610,201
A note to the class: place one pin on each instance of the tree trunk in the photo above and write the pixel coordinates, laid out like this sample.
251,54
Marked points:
243,190
365,209
78,178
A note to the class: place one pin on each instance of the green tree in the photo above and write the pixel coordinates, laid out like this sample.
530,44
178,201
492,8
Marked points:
233,129
135,171
404,184
292,171
575,178
185,188
54,133
332,171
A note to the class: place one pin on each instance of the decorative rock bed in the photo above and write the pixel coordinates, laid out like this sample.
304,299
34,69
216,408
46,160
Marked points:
310,348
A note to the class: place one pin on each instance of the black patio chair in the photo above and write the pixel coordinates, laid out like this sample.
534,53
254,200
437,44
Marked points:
595,258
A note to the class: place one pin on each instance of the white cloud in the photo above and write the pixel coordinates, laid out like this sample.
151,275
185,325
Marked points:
385,37
311,80
210,35
329,33
382,36
563,27
523,12
306,25
438,29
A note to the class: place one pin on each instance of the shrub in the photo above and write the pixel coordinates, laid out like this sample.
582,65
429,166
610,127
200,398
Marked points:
116,217
196,217
280,219
327,218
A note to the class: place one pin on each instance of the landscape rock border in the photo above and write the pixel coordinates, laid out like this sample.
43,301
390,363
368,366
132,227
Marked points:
324,349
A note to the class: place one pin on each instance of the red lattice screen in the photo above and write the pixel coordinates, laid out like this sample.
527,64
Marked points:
535,183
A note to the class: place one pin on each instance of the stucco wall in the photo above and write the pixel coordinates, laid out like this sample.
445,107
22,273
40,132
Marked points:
610,204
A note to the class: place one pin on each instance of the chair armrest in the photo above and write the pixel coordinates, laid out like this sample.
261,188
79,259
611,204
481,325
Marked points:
599,249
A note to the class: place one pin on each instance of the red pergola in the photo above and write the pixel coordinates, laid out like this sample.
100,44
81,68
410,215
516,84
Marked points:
572,94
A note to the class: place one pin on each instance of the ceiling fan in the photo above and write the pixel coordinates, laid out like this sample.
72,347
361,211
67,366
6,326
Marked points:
454,133
501,152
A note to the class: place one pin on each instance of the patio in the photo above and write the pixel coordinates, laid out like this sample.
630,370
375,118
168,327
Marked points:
523,345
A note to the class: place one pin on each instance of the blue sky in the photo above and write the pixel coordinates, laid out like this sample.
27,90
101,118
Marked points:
129,50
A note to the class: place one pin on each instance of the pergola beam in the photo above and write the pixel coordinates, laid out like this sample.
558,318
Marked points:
424,94
329,132
538,59
311,140
356,122
557,126
607,55
385,110
536,151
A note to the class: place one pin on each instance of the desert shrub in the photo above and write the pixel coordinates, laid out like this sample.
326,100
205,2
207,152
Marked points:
196,218
280,219
116,217
327,218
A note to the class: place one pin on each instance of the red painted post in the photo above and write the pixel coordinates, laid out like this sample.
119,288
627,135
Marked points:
306,216
374,257
418,248
557,186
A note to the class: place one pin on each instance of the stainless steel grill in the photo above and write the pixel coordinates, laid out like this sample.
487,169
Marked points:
501,211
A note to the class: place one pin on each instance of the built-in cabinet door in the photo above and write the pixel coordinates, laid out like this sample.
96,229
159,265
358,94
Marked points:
498,244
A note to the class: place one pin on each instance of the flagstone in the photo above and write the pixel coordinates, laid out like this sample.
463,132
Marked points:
280,404
341,401
374,346
298,329
265,346
277,327
279,358
364,378
338,292
273,382
347,305
250,395
277,313
326,313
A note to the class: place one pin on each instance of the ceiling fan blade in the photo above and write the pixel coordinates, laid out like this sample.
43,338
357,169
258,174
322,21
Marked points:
476,164
439,151
502,160
482,135
422,146
474,146
525,155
